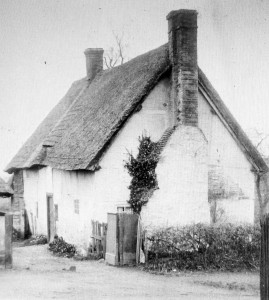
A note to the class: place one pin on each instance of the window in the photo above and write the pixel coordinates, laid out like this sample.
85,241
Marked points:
56,212
76,206
124,209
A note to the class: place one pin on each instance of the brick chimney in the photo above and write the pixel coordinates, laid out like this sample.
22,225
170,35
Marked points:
94,61
182,31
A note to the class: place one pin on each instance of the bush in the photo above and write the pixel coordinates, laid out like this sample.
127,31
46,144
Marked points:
205,247
142,170
15,235
61,248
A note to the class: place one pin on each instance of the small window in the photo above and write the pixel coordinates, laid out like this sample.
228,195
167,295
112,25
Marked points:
56,212
120,209
124,209
76,206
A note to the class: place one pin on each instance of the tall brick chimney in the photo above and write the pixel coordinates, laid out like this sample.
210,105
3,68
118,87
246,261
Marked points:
94,61
182,30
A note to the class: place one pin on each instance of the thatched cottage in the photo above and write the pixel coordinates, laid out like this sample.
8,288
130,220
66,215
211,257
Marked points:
71,170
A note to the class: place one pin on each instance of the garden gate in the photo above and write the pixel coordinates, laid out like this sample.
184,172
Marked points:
121,238
99,239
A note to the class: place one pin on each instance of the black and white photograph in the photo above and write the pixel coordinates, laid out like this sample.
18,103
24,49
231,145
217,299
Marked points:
134,149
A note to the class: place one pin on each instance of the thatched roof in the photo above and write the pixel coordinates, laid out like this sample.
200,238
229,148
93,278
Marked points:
84,121
5,189
79,128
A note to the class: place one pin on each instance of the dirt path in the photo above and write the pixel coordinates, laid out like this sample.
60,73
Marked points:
39,275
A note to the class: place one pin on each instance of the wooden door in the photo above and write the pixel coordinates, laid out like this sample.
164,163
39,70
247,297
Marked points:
112,257
50,217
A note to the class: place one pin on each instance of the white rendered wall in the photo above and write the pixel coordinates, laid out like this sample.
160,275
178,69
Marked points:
182,197
5,204
65,186
68,186
229,167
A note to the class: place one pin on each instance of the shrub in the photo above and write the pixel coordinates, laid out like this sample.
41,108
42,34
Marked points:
142,170
15,235
61,248
205,247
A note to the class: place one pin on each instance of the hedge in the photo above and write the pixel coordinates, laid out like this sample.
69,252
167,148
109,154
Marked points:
205,247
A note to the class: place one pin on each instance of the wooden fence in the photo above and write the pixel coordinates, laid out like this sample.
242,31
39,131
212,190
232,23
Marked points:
264,264
98,236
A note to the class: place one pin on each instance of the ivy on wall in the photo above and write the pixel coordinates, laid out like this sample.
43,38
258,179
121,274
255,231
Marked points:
142,170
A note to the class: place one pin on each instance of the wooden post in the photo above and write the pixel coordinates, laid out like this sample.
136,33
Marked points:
264,260
97,233
93,234
121,236
139,240
8,240
104,239
146,247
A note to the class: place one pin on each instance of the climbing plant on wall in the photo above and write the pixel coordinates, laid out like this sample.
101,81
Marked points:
142,170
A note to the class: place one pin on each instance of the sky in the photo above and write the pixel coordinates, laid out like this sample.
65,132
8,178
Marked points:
42,44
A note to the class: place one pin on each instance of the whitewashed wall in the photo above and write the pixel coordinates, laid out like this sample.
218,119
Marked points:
5,204
229,167
182,171
74,226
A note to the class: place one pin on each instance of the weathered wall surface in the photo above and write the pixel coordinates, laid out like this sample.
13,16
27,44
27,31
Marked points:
32,184
66,187
231,182
182,197
17,202
262,205
73,193
5,204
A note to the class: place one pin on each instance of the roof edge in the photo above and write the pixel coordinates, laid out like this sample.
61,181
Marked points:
125,118
252,153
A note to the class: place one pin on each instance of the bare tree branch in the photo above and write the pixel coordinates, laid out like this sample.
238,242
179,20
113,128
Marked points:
116,55
262,139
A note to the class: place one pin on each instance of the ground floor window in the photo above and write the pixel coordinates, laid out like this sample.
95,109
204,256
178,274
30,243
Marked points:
124,209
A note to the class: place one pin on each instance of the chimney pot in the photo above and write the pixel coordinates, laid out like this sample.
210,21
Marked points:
94,61
182,33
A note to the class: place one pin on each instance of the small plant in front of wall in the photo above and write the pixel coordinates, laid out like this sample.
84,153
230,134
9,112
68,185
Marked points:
142,170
